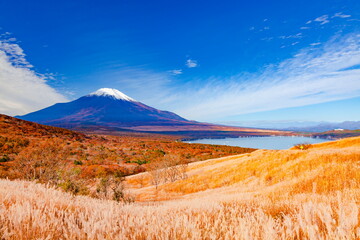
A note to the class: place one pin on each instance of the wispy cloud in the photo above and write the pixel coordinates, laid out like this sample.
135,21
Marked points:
267,39
313,75
13,51
22,89
190,63
341,15
176,71
326,18
322,19
295,36
317,74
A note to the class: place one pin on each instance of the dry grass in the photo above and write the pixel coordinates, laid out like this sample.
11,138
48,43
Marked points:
290,194
31,211
78,163
323,168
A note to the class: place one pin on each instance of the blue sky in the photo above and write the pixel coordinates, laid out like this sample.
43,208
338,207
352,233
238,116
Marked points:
228,61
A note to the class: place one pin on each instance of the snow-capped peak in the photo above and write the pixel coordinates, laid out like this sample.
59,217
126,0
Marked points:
111,92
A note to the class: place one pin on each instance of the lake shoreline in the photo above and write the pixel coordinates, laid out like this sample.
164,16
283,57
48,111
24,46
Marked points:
261,142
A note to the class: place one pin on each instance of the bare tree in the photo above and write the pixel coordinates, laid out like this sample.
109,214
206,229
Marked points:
183,169
170,169
102,187
113,188
157,174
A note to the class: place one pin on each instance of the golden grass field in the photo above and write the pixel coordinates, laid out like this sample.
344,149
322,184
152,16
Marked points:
266,194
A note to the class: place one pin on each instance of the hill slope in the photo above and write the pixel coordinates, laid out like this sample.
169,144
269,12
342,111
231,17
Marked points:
50,154
330,166
16,127
287,194
338,134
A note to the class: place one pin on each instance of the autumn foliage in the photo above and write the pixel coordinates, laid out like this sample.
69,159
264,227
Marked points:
266,194
77,162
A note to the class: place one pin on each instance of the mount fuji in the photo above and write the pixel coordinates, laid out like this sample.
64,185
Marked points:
105,107
110,111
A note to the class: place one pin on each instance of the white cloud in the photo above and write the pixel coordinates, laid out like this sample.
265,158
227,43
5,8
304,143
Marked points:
295,36
14,52
326,19
322,19
304,28
315,43
341,15
190,63
267,39
22,90
176,71
314,75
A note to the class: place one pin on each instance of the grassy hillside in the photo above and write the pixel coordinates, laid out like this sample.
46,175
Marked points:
322,168
266,194
338,134
10,126
78,163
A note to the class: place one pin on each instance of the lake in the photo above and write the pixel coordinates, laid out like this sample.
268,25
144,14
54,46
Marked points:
275,142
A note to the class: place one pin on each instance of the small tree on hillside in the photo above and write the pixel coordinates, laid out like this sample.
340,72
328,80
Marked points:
303,146
170,169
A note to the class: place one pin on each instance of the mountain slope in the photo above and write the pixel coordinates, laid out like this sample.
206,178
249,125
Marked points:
105,107
107,111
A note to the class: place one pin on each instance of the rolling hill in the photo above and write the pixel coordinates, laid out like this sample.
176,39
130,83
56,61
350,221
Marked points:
55,155
266,194
337,134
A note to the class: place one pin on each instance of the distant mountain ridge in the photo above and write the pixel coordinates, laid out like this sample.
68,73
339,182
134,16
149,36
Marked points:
104,107
323,127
